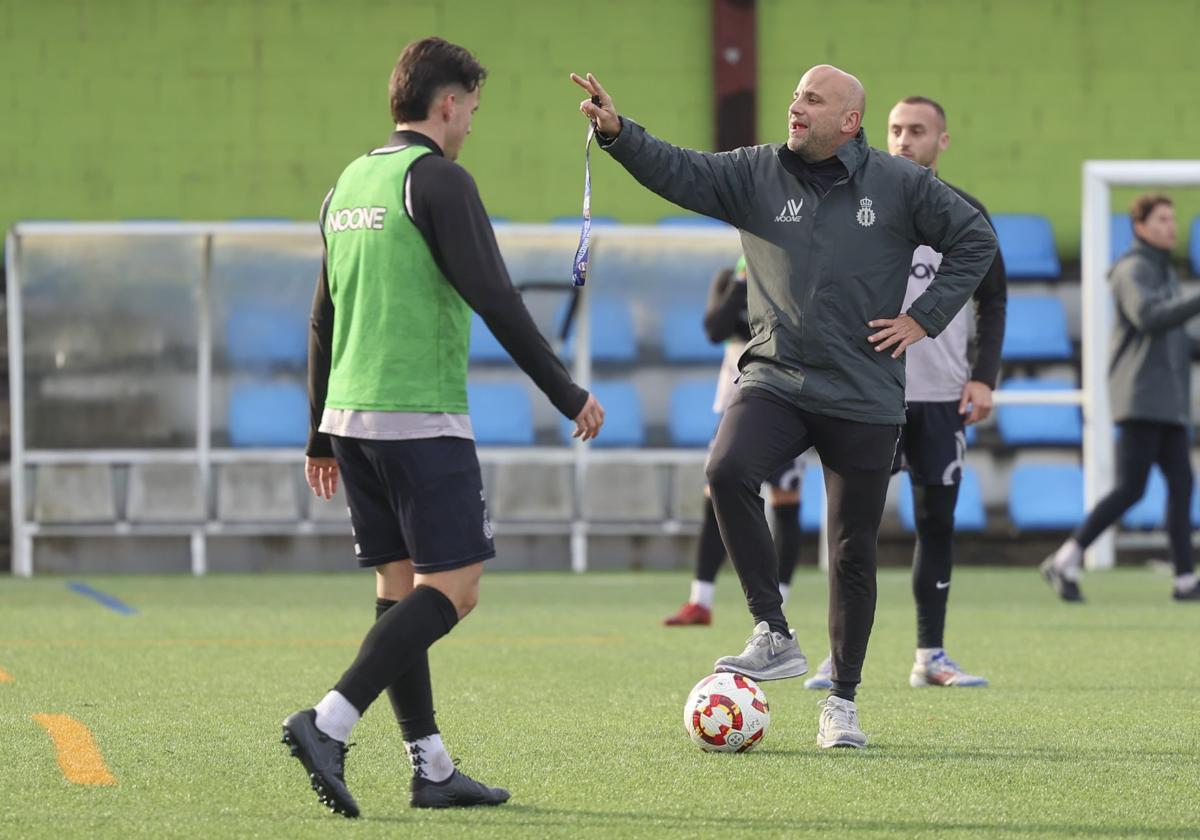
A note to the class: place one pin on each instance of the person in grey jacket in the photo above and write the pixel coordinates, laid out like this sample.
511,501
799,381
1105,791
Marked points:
828,227
1149,381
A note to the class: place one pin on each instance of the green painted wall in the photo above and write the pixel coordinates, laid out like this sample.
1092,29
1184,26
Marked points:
223,108
204,109
1032,88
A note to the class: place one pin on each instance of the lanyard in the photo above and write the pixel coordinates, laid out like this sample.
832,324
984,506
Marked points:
579,270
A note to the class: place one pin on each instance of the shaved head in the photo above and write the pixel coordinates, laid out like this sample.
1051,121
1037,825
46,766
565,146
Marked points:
826,111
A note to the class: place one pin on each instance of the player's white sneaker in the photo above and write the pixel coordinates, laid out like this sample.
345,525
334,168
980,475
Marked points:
839,725
942,670
823,678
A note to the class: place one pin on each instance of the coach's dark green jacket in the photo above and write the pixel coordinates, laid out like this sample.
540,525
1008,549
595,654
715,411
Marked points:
1150,373
822,263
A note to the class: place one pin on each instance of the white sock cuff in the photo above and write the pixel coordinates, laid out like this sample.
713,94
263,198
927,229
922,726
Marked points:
336,716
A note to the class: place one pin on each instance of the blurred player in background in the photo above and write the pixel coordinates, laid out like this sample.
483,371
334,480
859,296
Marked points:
828,227
1150,387
945,393
726,319
409,252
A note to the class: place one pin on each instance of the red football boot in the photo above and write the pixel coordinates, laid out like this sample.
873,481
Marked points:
689,614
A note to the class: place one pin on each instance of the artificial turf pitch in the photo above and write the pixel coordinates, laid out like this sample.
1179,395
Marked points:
567,690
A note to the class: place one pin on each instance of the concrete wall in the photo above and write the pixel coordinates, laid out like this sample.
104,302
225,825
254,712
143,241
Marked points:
225,108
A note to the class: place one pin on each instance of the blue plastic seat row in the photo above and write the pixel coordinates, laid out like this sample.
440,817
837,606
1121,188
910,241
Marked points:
1036,331
614,338
1041,497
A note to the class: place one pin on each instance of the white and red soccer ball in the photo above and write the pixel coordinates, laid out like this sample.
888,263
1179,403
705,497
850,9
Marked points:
726,713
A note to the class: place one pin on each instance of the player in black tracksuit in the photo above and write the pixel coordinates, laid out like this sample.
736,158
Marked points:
726,320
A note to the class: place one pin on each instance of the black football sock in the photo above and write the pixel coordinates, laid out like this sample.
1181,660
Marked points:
787,539
711,552
395,643
411,696
933,508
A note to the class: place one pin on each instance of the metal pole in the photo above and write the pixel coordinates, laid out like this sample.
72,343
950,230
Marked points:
199,540
22,547
1097,423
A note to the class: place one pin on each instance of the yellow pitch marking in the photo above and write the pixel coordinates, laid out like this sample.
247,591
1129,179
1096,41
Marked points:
78,756
5,676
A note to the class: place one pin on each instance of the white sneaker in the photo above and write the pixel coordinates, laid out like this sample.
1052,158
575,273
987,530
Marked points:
823,678
942,670
839,725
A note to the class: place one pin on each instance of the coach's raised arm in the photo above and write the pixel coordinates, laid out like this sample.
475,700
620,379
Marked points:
712,184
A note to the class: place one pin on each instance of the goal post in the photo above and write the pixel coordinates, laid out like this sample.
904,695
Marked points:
1099,177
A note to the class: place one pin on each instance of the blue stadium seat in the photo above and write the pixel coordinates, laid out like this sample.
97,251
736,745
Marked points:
258,335
969,514
1027,243
812,498
484,346
683,336
1120,235
692,421
1035,330
1039,425
1150,511
1194,246
622,416
691,221
501,413
577,220
613,337
1046,497
268,414
972,434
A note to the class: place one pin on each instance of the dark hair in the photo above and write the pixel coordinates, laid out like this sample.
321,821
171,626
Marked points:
1144,205
925,100
423,68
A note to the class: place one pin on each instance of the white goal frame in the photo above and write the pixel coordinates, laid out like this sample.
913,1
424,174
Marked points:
1099,177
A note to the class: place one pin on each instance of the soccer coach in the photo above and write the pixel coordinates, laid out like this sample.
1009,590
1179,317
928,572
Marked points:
828,227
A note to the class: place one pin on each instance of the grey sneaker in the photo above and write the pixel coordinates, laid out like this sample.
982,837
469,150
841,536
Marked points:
824,676
768,656
839,725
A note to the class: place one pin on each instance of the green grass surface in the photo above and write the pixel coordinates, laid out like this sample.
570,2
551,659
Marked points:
567,691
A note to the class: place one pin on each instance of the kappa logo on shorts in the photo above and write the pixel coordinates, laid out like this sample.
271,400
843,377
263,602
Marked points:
487,523
791,211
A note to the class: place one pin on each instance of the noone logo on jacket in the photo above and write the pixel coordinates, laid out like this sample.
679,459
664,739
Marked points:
355,218
790,211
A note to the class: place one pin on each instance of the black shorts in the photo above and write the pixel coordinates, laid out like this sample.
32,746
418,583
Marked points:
415,499
933,443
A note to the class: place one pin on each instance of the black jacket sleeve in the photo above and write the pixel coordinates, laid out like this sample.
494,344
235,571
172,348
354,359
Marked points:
725,314
320,340
991,308
966,242
446,208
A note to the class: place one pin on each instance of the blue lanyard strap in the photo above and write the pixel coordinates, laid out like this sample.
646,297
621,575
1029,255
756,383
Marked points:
579,270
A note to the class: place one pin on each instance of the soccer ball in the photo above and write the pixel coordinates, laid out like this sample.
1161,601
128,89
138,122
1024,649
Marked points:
726,713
